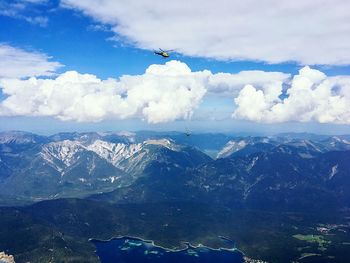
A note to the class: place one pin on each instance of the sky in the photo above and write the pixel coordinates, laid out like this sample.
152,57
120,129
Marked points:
236,66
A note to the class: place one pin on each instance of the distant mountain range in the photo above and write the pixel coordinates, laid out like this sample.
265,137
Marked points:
35,168
286,171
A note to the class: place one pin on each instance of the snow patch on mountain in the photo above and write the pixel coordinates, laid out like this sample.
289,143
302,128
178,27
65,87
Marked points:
164,142
114,152
111,179
252,163
62,154
231,147
63,151
334,171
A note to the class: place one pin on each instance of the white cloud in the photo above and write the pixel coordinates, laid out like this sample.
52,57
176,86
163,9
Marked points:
18,63
163,93
172,91
22,9
312,96
308,32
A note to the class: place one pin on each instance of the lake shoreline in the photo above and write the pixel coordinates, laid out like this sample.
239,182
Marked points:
187,245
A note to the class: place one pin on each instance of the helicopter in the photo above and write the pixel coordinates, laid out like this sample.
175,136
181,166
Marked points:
187,132
163,53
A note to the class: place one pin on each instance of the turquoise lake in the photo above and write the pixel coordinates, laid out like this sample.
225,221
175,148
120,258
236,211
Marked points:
129,250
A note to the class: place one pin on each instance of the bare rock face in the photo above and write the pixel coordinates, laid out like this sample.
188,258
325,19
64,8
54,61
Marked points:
6,258
250,260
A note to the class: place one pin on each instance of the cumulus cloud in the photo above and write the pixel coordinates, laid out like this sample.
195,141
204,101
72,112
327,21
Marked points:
163,93
172,91
18,63
308,32
312,96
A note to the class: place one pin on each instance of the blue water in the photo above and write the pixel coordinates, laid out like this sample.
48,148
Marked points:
129,250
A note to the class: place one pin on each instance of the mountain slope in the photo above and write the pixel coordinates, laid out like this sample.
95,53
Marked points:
257,172
280,178
87,165
60,169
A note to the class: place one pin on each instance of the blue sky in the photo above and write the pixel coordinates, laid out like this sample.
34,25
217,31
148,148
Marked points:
72,39
105,45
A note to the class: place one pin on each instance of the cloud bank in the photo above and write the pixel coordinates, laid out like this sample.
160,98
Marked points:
172,91
163,93
312,96
308,32
18,63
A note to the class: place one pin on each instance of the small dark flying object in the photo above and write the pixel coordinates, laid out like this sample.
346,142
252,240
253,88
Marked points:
163,53
187,132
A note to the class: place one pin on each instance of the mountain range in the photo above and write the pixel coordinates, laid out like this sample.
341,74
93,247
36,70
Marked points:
274,172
